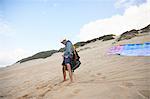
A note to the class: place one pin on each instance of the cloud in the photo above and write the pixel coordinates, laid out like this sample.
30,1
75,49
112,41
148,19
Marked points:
134,17
128,3
9,57
5,27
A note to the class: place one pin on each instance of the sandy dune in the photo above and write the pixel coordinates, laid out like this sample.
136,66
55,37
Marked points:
100,76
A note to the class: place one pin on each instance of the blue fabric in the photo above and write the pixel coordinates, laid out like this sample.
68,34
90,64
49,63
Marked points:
132,50
68,49
136,49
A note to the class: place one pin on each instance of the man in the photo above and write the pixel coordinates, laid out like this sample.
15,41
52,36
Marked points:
68,55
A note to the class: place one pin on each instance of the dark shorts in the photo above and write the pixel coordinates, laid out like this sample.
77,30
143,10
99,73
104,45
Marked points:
67,61
74,64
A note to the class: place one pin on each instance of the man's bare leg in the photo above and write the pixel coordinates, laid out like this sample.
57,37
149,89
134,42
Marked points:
64,73
70,72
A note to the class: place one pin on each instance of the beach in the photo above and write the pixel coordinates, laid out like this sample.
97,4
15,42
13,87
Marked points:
100,76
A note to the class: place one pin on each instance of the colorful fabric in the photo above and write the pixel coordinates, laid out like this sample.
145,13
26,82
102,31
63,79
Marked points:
131,49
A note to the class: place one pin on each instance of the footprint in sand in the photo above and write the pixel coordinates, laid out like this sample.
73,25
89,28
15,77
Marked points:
2,96
128,84
103,77
42,85
76,91
98,74
26,81
95,75
145,93
26,96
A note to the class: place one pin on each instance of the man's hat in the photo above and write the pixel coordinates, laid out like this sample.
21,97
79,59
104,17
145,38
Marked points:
62,40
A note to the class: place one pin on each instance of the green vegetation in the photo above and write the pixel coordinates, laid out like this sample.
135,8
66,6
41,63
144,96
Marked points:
103,38
108,37
43,54
133,33
145,29
128,35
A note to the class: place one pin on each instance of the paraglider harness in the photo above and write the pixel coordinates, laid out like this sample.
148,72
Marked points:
75,60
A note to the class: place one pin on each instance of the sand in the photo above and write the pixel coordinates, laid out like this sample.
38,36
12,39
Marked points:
100,76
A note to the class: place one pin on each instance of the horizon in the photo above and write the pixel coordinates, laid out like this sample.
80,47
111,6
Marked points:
31,26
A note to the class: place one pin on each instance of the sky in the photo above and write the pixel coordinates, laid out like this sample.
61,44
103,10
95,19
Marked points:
31,26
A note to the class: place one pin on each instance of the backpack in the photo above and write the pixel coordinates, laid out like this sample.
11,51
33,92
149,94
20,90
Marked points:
76,55
75,60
